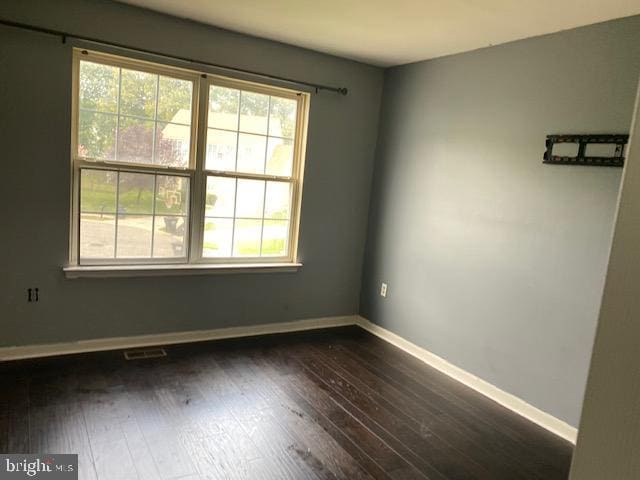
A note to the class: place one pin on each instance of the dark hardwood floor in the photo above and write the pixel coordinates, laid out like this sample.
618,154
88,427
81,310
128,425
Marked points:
331,404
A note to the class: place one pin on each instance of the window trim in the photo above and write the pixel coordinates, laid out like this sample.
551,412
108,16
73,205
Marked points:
178,269
195,170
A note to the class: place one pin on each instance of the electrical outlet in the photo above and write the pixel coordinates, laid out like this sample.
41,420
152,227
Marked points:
383,290
33,294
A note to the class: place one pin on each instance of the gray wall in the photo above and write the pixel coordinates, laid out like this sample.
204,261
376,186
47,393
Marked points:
610,424
495,261
34,197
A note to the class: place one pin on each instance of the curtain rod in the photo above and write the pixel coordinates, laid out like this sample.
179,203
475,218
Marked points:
65,35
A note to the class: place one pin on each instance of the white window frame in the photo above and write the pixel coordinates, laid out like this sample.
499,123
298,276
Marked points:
195,171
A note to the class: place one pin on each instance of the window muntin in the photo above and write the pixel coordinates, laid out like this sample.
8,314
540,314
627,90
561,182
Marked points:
133,116
248,133
128,215
141,192
247,217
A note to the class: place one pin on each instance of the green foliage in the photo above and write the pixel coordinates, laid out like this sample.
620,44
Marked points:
269,247
282,110
100,88
136,195
138,93
175,95
96,135
102,85
172,195
254,104
211,200
98,93
279,215
273,247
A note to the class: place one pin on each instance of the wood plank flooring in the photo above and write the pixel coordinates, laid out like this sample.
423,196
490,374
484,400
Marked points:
330,404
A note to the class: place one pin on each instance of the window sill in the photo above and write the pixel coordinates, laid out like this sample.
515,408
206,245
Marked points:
109,271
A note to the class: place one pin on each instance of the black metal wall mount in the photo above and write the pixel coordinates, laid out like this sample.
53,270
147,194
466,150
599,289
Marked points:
617,160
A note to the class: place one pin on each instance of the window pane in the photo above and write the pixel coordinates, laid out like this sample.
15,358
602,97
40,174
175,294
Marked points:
97,135
279,157
246,238
251,152
221,196
254,109
278,200
174,100
223,107
131,116
138,93
217,237
98,87
275,238
135,193
250,198
135,140
134,236
172,195
172,144
97,235
98,191
169,237
221,150
282,117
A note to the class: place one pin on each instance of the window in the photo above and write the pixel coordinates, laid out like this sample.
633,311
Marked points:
173,166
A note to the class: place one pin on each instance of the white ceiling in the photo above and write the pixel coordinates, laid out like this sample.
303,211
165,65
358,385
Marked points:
393,32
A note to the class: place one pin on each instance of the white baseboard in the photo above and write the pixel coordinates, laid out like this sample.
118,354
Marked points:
519,406
116,343
505,399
